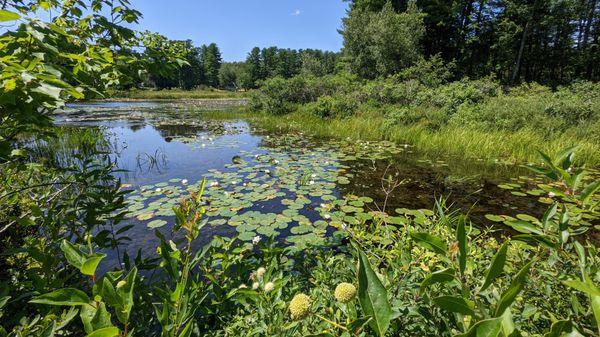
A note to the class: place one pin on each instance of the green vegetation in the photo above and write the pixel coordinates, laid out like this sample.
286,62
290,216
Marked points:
350,265
174,94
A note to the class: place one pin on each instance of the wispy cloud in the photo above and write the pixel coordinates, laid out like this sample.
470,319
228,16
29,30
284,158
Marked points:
296,12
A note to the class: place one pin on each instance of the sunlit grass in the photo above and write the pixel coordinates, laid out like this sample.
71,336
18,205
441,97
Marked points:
518,147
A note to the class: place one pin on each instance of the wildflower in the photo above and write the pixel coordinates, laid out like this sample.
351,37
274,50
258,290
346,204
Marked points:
214,183
300,306
121,284
184,181
345,292
269,287
312,182
260,272
158,189
255,285
256,240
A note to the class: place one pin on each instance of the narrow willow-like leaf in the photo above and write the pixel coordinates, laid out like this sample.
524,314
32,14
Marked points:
516,286
585,287
563,328
72,254
496,266
455,304
372,296
430,242
440,276
589,191
461,237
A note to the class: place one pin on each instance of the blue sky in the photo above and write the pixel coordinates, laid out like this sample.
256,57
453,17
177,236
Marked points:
237,25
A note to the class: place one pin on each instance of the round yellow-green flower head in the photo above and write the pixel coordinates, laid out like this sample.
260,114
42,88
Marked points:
300,306
345,292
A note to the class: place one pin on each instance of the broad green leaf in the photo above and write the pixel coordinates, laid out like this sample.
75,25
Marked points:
125,293
429,241
8,15
548,215
524,227
461,237
496,266
516,286
440,276
485,328
90,264
455,304
66,296
95,318
372,296
563,328
105,332
72,254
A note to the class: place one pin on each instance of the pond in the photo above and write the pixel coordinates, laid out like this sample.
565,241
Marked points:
290,187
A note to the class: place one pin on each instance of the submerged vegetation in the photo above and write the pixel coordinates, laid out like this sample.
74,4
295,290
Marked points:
288,236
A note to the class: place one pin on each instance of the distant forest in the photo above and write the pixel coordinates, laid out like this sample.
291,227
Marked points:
551,42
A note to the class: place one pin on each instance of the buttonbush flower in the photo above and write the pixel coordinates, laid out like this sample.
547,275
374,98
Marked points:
260,272
345,292
269,287
300,306
255,285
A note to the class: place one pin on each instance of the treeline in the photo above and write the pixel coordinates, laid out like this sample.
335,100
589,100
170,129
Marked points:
204,67
546,41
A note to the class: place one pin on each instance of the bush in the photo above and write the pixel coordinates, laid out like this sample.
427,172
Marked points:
449,97
333,106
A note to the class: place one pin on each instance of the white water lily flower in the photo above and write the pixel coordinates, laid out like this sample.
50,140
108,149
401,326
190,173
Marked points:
267,171
256,240
551,194
327,216
313,175
214,183
312,182
158,189
184,181
269,287
405,146
344,226
203,145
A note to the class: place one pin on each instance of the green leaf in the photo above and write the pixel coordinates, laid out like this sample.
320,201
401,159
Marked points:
585,287
485,328
461,237
589,191
496,266
440,276
90,264
72,254
95,318
562,328
549,214
8,15
66,296
372,296
516,286
125,294
429,241
358,323
455,304
105,332
523,226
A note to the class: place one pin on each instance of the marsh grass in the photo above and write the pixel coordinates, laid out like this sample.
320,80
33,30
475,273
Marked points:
176,94
450,140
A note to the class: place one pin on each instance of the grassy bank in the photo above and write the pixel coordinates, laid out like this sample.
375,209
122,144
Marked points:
519,147
176,94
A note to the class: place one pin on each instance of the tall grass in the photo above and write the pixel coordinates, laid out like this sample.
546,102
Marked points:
451,140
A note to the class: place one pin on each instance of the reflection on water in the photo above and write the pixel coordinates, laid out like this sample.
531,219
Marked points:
280,185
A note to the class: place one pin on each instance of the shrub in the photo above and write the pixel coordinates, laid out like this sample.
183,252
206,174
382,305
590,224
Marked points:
333,106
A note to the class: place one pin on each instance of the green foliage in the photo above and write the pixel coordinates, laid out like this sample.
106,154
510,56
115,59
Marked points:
382,43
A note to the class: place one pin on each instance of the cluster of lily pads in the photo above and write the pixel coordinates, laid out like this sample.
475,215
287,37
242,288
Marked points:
283,189
549,192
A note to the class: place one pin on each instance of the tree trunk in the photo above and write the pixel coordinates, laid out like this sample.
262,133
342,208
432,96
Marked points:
520,53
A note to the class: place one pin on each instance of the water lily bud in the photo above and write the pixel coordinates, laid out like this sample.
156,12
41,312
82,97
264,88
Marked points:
345,292
300,306
269,287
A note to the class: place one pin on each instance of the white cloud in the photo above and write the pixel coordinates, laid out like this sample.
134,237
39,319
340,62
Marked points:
296,12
